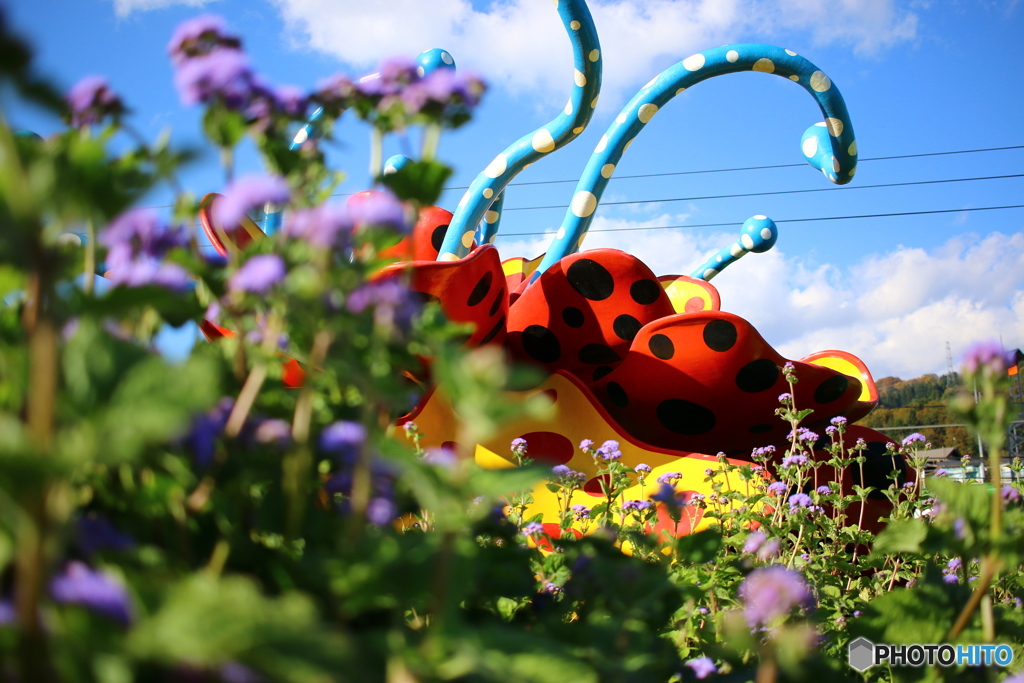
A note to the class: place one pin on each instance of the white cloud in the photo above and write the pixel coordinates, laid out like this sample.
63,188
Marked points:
123,8
896,311
520,43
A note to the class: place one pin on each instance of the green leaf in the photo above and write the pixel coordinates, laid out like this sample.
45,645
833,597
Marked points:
421,181
901,536
176,309
224,127
700,547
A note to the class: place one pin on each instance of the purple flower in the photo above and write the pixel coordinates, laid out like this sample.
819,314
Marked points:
290,100
343,439
609,450
709,472
410,428
799,500
233,672
326,226
754,541
378,209
941,472
197,36
954,564
533,529
580,511
246,193
441,457
666,494
80,585
94,533
794,460
987,356
669,477
960,528
914,438
1009,493
205,429
519,446
778,488
552,588
258,275
381,510
393,303
586,445
136,242
771,592
838,421
950,578
824,490
91,100
702,667
831,431
642,469
636,505
804,434
769,550
785,398
275,431
223,75
560,470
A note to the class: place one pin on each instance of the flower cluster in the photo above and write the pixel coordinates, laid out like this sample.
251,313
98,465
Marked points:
137,242
91,100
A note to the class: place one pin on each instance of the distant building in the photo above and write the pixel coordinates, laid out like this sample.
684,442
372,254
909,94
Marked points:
949,459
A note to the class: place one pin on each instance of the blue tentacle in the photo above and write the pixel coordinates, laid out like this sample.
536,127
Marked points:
487,231
563,129
837,159
758,234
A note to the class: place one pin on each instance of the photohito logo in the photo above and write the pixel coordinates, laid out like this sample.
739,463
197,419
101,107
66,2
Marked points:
862,654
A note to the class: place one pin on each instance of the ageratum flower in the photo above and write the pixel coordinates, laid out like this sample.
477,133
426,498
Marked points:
343,439
771,592
199,36
78,584
519,446
987,356
560,470
223,75
778,487
393,303
258,274
580,511
1009,493
838,421
609,450
91,100
769,550
586,445
379,210
137,242
794,460
247,193
799,500
642,469
669,477
702,667
274,432
914,438
328,226
202,436
754,541
441,457
637,505
533,529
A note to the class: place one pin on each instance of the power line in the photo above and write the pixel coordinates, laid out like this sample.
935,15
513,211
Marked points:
763,168
778,192
784,220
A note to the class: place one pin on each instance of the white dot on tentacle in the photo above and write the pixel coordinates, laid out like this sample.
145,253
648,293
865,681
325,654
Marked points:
718,258
492,238
593,102
621,118
574,25
626,146
835,164
646,112
764,65
694,62
579,78
560,234
790,53
301,136
421,72
835,126
594,55
852,171
760,217
601,144
568,108
577,130
465,197
583,204
766,233
488,193
447,58
542,141
448,257
748,242
607,170
820,82
710,273
651,82
731,56
491,217
810,147
680,90
852,149
467,239
736,249
794,78
496,167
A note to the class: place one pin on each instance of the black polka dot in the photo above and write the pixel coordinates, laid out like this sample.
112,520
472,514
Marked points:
572,316
590,279
661,346
497,302
720,335
494,331
602,371
437,237
626,327
761,429
645,291
480,291
598,354
541,344
757,375
685,417
617,395
427,298
831,389
878,464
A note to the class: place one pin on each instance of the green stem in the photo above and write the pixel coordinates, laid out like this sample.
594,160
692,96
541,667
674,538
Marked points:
431,141
227,160
376,152
90,257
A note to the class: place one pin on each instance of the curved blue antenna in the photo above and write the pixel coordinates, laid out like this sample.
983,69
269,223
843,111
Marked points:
559,132
833,150
487,231
757,235
395,163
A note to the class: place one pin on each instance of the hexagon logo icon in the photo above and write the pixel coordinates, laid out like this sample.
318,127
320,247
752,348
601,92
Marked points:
861,654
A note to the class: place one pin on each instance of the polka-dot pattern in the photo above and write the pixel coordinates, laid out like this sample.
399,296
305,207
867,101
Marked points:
542,141
481,289
731,56
661,346
831,389
626,327
579,78
647,112
607,170
617,395
685,417
591,280
719,335
598,354
757,375
820,82
573,317
645,291
583,203
694,62
496,167
764,65
541,344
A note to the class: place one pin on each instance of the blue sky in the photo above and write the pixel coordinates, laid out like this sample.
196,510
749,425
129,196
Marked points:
918,77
